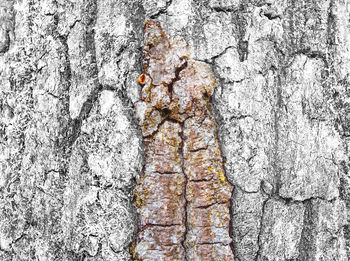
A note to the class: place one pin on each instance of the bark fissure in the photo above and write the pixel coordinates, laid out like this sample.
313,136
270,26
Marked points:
183,241
261,230
306,245
89,21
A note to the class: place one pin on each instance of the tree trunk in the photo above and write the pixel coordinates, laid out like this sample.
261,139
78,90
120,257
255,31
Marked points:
71,146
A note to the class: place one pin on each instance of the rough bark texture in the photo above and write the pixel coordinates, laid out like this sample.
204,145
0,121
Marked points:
71,147
183,198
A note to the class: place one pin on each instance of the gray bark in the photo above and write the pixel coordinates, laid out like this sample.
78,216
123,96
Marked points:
71,147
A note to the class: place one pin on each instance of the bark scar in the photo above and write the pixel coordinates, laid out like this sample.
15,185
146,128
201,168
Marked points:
183,197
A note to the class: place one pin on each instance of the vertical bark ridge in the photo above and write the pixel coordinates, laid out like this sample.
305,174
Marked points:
183,192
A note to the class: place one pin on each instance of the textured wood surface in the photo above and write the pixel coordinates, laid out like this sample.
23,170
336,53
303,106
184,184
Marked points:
71,147
183,198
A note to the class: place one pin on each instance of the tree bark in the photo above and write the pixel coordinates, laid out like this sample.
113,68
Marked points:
71,146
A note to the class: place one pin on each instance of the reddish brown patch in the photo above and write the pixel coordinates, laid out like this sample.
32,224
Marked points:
183,198
142,79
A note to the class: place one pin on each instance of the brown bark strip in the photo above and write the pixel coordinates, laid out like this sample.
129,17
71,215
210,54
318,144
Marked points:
183,198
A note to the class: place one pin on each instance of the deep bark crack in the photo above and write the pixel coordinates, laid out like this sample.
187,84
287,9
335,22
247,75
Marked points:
258,253
185,189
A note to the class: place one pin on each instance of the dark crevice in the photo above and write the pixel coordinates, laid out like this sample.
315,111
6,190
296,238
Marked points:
4,40
233,82
66,83
224,9
75,125
271,15
177,77
243,50
185,221
258,253
344,187
159,225
165,112
166,118
200,180
212,243
165,173
89,21
340,107
127,103
7,29
292,200
276,125
163,10
306,244
212,204
198,149
241,20
213,58
73,24
313,54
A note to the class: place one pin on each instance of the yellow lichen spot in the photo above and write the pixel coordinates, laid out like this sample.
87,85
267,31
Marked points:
132,251
138,201
139,197
222,177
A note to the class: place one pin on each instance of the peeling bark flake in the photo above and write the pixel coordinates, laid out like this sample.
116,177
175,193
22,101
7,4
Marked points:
183,197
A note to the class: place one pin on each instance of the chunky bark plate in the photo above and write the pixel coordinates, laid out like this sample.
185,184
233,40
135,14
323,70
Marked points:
182,197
